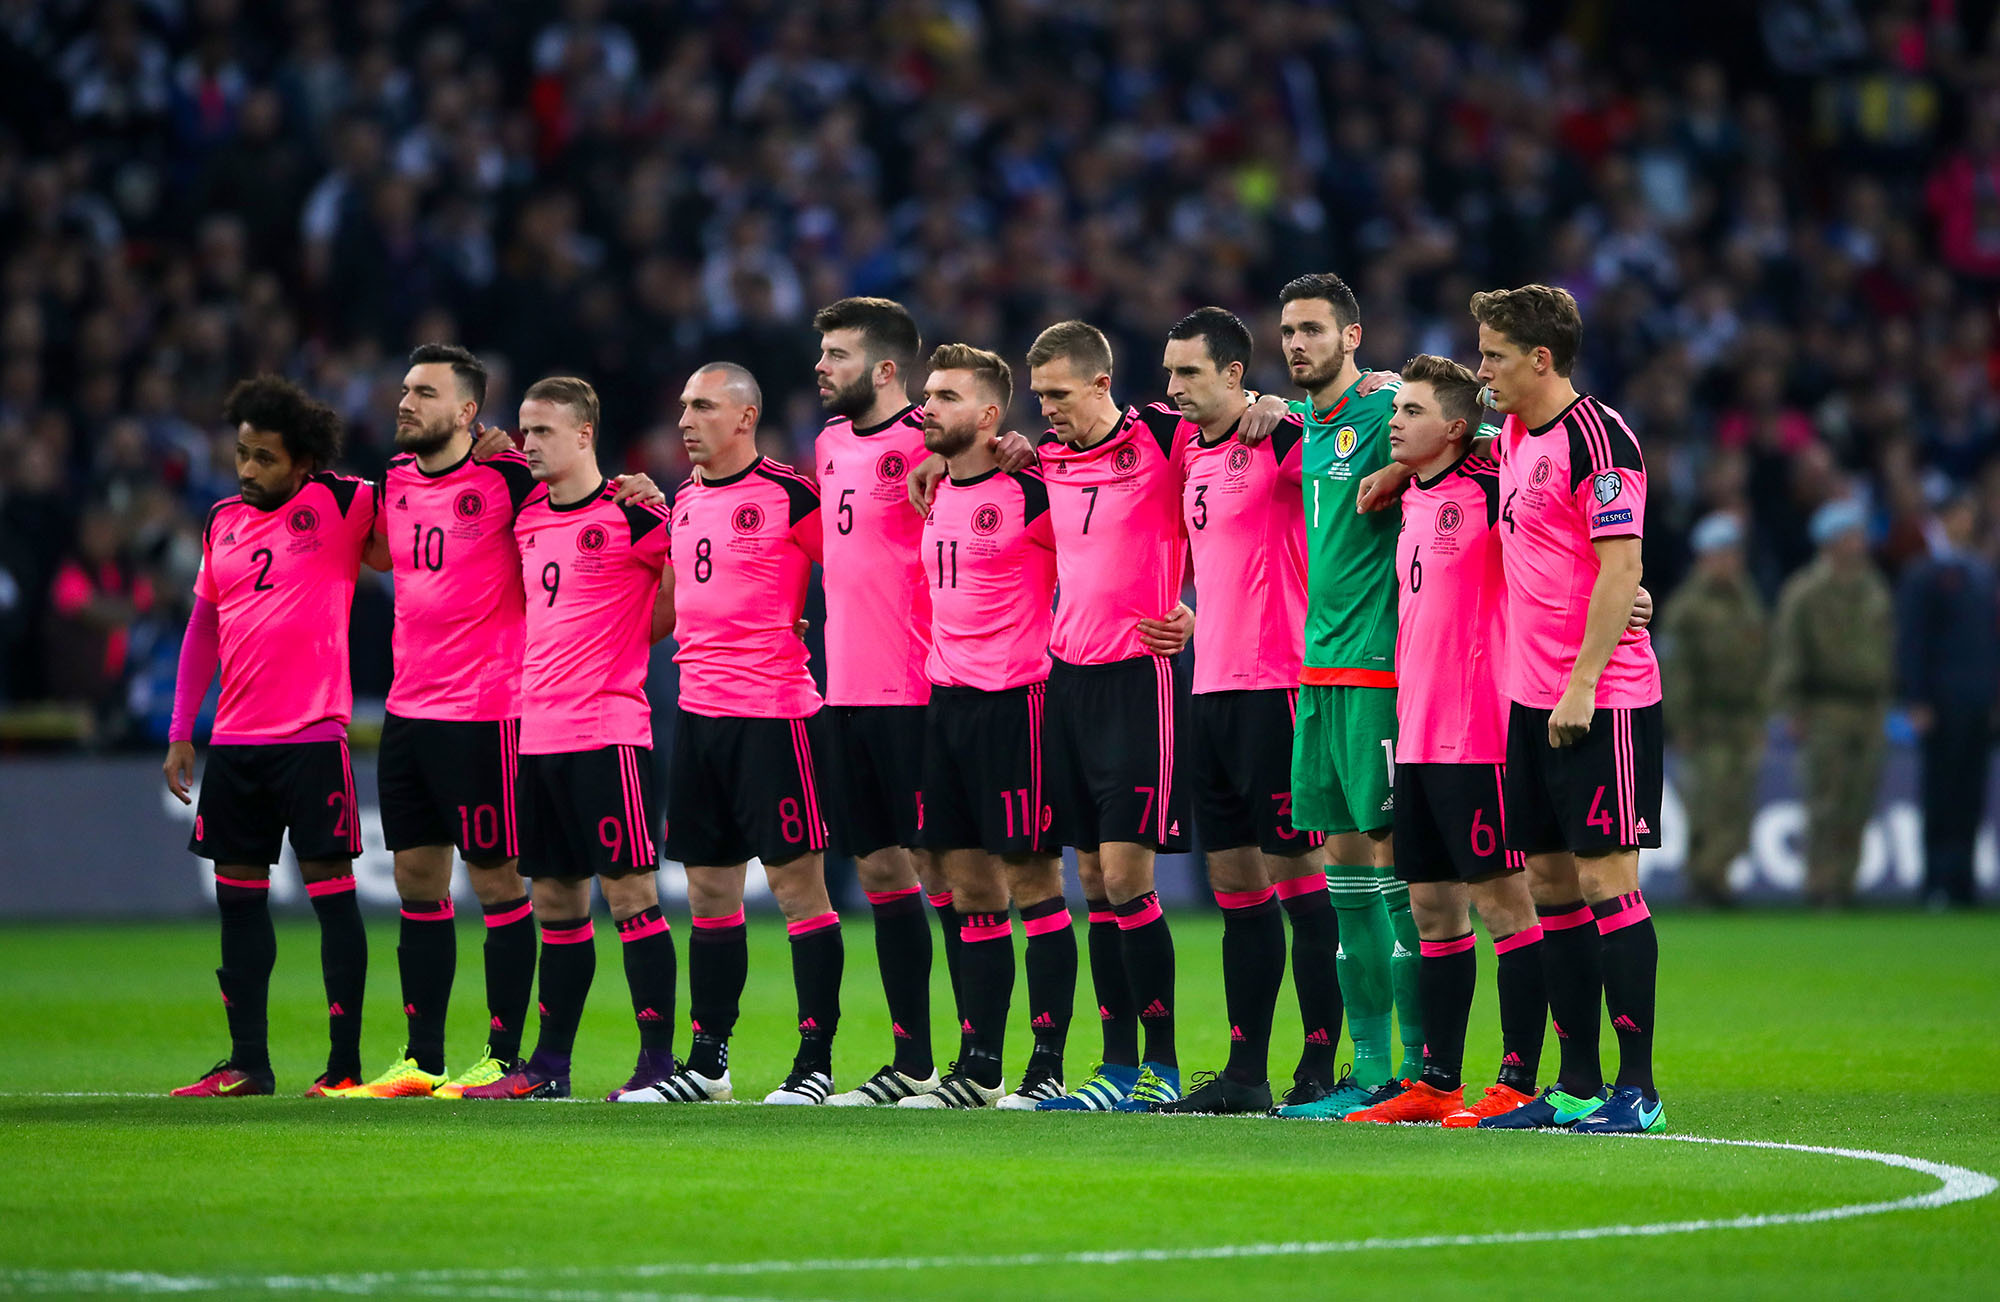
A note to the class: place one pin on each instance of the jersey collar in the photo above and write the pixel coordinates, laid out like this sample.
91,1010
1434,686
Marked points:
1124,422
457,465
581,502
738,477
1561,416
1428,484
980,478
862,433
1201,440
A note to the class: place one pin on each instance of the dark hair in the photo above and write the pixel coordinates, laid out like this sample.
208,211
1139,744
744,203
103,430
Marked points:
566,391
469,370
310,429
1228,339
990,369
1456,387
888,331
1081,342
1534,316
1325,285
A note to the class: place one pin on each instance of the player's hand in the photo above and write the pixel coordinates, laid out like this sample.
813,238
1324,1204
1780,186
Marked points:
1642,610
179,769
1570,720
1166,637
1262,417
489,442
1372,381
1014,452
799,628
1381,489
637,488
923,482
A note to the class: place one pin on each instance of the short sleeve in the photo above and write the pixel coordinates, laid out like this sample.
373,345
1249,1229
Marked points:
1288,443
1607,476
514,471
806,533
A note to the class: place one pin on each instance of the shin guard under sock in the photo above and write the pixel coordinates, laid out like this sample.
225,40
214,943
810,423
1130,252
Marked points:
1450,973
510,974
1149,967
1569,965
1405,972
1116,1013
1253,967
1366,944
249,951
1315,977
426,959
343,964
718,965
650,973
1629,954
903,956
1524,1007
1051,963
987,959
818,955
569,964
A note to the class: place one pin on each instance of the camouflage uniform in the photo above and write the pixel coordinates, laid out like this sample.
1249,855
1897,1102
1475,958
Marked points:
1713,644
1832,669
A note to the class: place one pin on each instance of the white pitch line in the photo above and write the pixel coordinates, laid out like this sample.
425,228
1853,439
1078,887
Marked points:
1956,1184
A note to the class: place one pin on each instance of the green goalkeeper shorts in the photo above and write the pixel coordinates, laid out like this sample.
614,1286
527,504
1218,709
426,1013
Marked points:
1344,759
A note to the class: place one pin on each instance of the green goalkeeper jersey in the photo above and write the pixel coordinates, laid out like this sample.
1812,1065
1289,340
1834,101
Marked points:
1350,557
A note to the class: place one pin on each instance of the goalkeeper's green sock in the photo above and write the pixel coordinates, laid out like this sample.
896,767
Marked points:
1405,968
1366,942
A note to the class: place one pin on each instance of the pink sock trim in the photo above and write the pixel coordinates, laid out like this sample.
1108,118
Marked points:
1445,948
890,897
1246,899
1564,921
243,883
1508,944
332,887
806,926
1293,887
513,915
717,924
569,935
1104,916
651,927
1133,921
445,914
942,900
1632,913
971,933
1057,921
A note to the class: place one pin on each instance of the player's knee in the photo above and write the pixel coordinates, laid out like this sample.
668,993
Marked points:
1241,869
930,874
799,887
1439,909
496,881
562,897
886,870
423,875
323,870
1608,875
714,892
629,895
1128,871
1504,904
1031,879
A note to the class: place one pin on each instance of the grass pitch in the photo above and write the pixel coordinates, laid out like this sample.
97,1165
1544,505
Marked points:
1865,1032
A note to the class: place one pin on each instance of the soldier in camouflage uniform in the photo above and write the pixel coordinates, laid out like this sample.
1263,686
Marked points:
1832,676
1713,643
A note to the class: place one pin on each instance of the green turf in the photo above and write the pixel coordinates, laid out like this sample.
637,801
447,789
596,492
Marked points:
1873,1032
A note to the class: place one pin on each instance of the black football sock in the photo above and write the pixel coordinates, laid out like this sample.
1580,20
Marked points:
818,955
1149,967
650,972
427,959
1116,1012
1253,967
987,957
1445,982
1629,949
903,953
343,964
510,974
249,951
1524,1007
569,964
718,965
1051,963
947,917
1569,963
1315,978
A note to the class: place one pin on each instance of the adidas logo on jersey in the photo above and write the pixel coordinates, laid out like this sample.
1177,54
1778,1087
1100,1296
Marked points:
230,536
403,502
1642,829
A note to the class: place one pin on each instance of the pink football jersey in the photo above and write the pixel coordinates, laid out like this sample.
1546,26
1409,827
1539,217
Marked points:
1246,530
990,560
458,633
592,572
1562,487
282,583
1451,620
1120,550
878,624
743,549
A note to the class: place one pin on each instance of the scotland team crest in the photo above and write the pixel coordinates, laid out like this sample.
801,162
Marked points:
1344,440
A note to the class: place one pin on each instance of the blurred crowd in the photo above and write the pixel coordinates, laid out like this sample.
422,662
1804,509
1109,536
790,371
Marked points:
1782,220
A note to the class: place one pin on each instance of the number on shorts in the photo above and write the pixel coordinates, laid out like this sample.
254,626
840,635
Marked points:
1150,793
790,825
479,827
1283,800
1008,799
611,835
1483,840
1599,817
338,800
